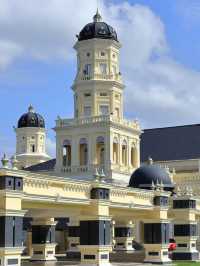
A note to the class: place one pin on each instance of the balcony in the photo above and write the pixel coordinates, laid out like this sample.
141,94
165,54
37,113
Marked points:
65,123
111,77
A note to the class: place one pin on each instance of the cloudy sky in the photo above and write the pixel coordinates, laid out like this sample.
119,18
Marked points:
160,59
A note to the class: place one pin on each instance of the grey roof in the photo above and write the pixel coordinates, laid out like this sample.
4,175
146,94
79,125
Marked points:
146,174
99,30
171,143
45,166
31,119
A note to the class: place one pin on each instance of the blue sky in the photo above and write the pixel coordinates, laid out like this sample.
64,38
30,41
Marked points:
160,60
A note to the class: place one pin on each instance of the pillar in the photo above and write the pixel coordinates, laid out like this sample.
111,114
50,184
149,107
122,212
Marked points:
156,241
124,236
113,222
96,230
185,229
138,232
27,233
73,238
61,234
95,241
156,229
11,220
43,239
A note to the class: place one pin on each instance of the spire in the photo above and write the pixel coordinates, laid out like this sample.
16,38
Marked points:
31,109
97,17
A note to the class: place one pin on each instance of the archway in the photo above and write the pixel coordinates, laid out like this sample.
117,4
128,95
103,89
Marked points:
83,151
66,153
115,150
124,153
100,150
134,157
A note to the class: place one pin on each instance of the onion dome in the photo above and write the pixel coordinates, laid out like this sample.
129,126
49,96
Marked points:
31,119
146,176
97,29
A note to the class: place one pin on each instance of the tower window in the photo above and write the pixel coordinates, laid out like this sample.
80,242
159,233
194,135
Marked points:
88,54
33,148
104,110
102,94
87,69
117,112
102,54
103,68
87,94
33,137
87,110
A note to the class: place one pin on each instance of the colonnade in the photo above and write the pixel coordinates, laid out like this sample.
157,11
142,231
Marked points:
121,152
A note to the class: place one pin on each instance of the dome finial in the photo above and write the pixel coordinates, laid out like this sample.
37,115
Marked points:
97,17
150,160
31,109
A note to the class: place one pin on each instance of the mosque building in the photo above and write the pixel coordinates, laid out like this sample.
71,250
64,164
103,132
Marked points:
103,199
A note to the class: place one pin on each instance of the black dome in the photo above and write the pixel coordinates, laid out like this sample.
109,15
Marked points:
97,29
31,119
144,176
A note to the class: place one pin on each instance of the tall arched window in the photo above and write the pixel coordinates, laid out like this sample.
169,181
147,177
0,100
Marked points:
134,157
100,150
66,153
83,151
124,152
115,150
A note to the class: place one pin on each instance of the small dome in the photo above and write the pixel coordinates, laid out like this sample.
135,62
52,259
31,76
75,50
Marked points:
147,175
97,29
31,119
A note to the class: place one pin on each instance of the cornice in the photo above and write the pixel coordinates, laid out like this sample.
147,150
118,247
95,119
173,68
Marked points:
54,199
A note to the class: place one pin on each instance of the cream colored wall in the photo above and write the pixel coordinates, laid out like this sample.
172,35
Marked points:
109,83
95,89
25,138
91,132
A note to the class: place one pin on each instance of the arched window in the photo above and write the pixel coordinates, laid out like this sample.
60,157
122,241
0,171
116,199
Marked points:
134,157
100,150
115,150
66,153
83,151
124,152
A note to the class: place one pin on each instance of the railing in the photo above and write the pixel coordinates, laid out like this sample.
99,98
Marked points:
114,77
96,119
91,168
82,168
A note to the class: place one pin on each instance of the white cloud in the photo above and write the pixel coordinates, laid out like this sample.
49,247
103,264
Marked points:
159,91
43,30
8,52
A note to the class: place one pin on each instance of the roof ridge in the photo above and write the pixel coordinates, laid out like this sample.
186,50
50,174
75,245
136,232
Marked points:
180,126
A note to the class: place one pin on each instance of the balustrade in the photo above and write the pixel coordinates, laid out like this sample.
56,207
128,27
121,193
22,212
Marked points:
114,77
82,168
96,119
